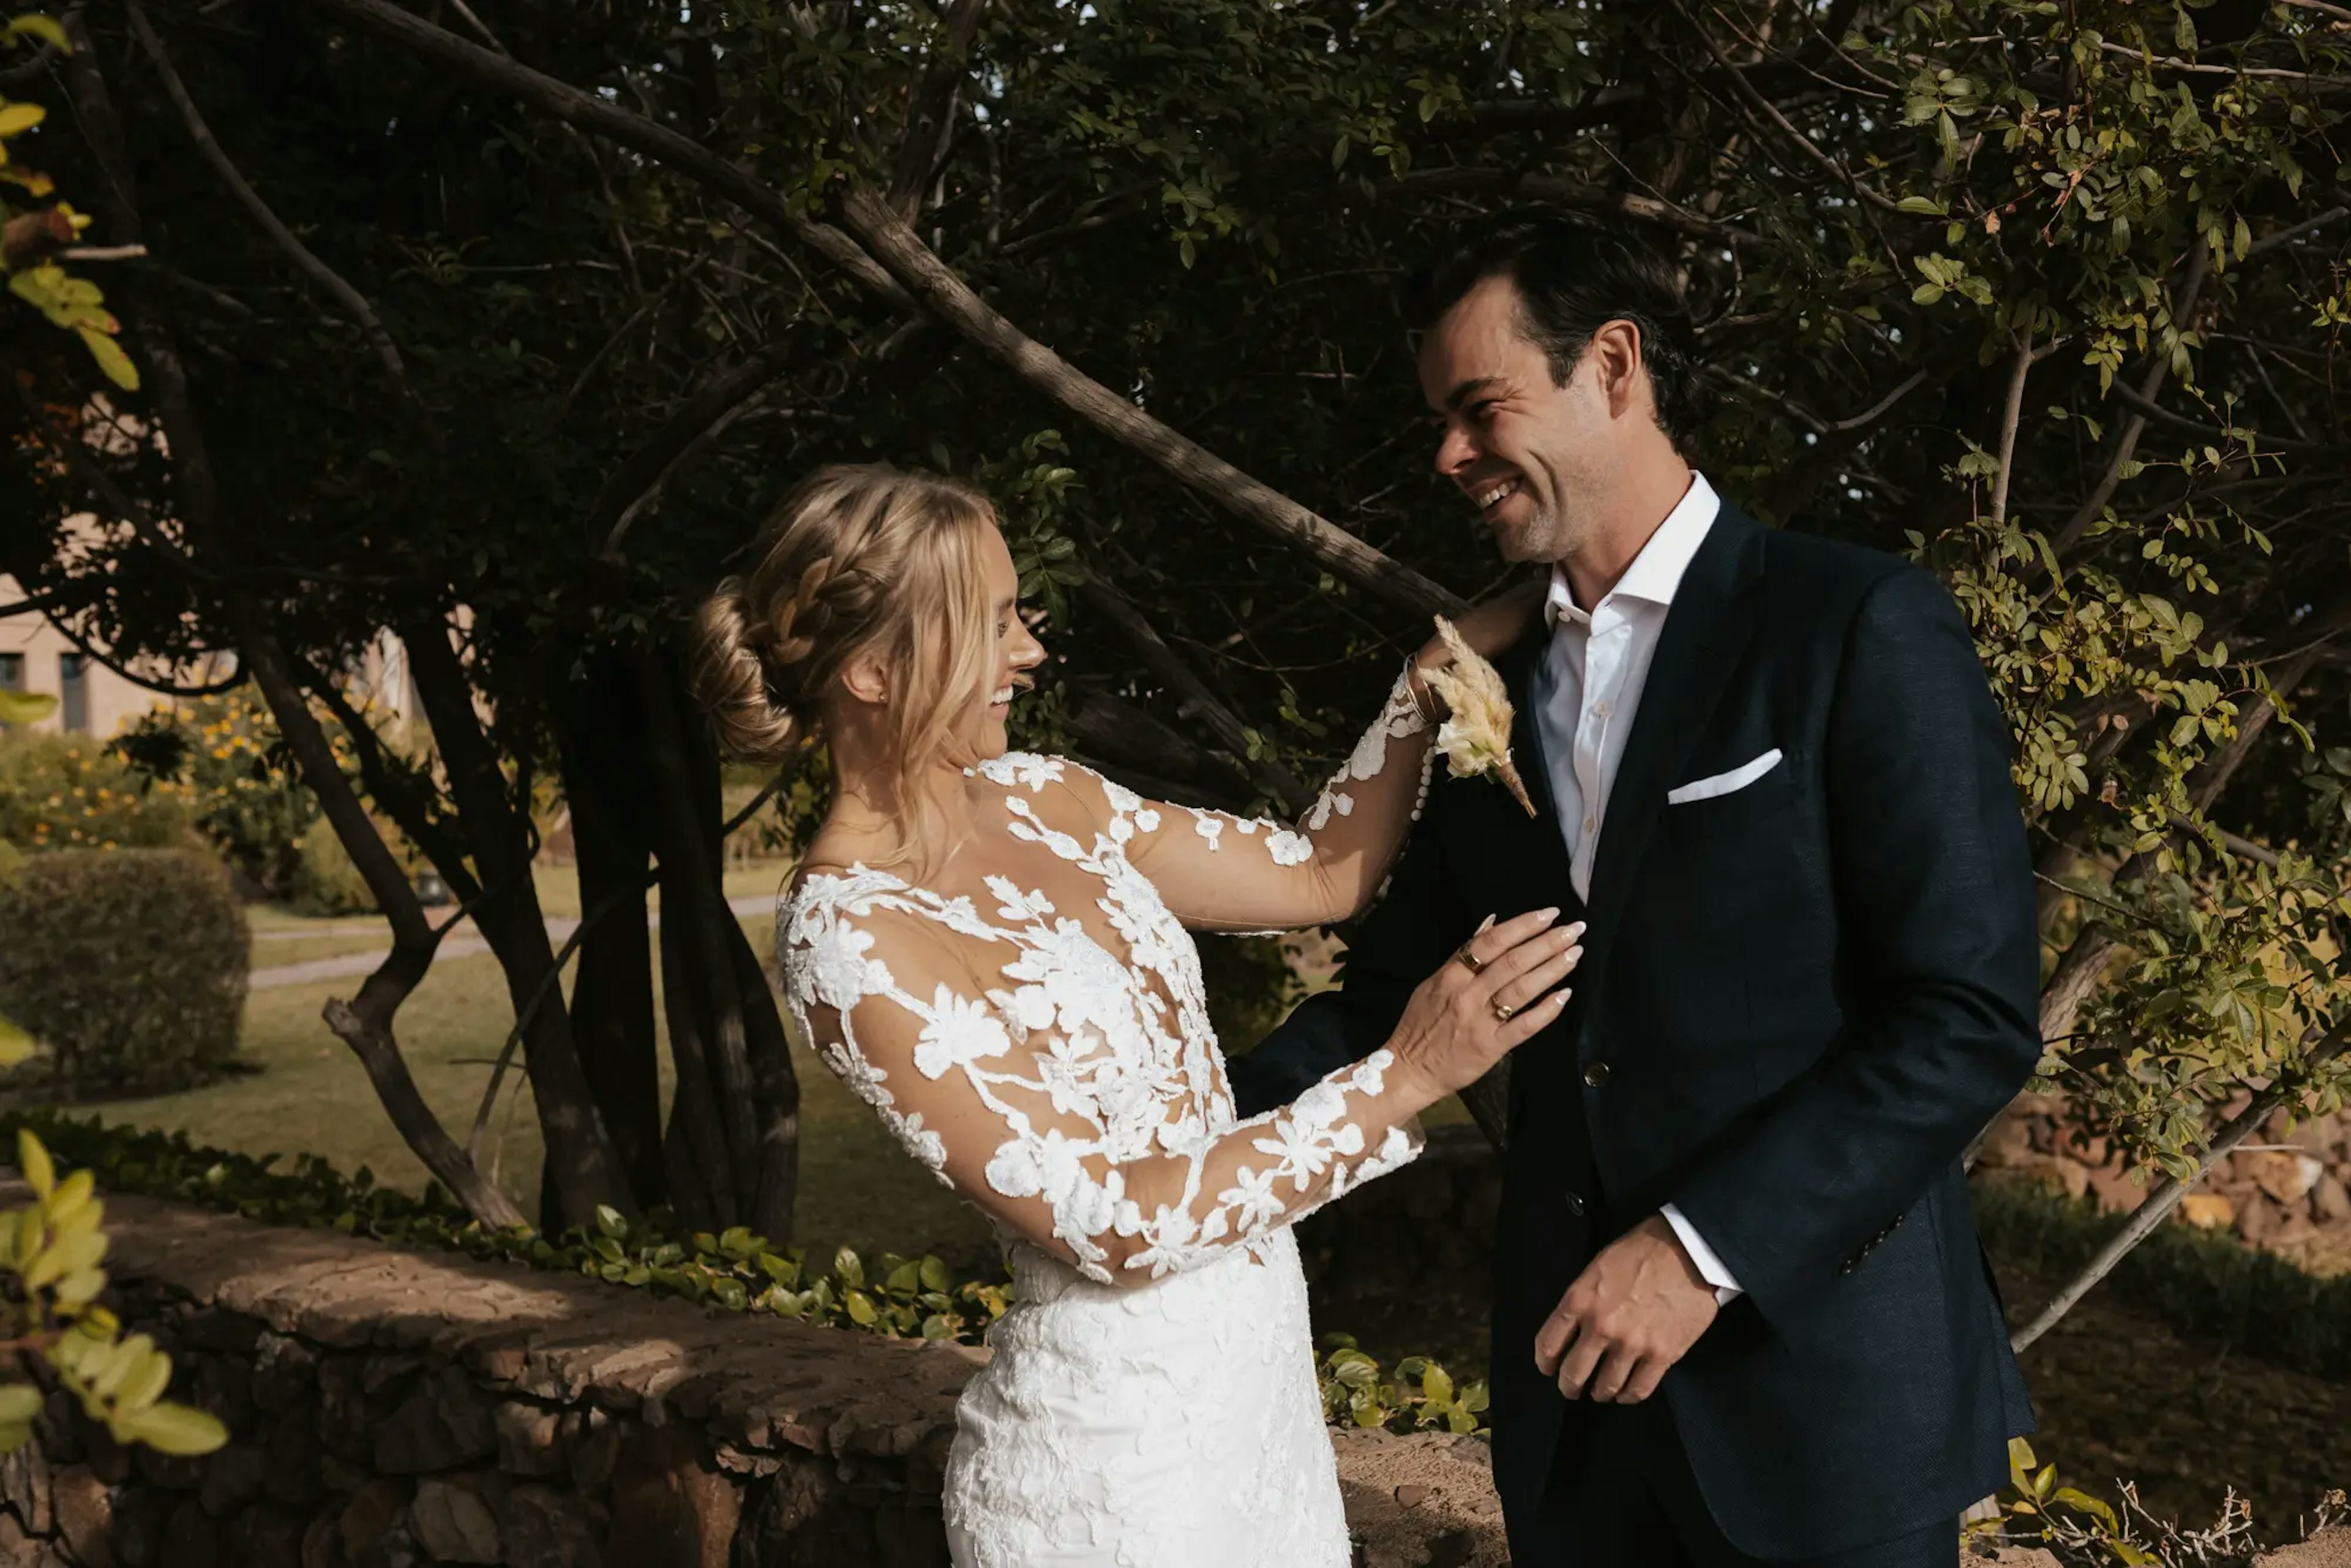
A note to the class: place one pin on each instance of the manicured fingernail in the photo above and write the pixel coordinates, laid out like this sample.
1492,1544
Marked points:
1576,929
1547,915
1487,924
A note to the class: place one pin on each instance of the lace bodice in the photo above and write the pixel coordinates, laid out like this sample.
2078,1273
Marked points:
1040,1038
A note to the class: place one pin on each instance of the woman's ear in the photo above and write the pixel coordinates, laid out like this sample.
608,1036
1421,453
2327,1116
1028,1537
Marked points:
866,679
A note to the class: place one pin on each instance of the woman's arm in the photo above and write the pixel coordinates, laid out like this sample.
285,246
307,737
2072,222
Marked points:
1128,1188
1221,873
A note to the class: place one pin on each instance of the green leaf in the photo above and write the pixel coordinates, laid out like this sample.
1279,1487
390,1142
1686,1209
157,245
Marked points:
174,1429
35,25
25,708
33,1159
112,360
20,117
19,1402
16,1045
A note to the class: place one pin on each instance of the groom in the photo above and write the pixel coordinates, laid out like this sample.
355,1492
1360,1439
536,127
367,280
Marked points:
1772,778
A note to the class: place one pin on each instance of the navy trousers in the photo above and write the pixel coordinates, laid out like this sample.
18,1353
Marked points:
1622,1496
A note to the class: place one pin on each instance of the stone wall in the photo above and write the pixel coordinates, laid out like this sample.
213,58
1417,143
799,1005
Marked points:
393,1409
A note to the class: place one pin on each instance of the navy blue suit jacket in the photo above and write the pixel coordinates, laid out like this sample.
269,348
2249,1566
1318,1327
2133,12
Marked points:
1799,1001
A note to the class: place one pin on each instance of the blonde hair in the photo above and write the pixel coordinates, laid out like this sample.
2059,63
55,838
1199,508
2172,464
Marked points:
858,557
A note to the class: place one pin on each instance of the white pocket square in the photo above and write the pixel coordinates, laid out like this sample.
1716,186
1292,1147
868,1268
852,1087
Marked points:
1738,778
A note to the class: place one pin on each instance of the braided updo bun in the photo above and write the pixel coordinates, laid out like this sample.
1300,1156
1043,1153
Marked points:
858,556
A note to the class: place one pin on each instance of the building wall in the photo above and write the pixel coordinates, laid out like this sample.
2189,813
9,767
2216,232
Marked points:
36,656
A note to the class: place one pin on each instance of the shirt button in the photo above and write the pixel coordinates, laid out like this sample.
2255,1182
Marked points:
1601,708
1597,1075
1590,823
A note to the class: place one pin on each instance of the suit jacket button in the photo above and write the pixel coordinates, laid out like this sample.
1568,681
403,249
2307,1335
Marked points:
1574,1204
1597,1075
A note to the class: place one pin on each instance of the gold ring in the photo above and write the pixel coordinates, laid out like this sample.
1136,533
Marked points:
1469,960
1502,1010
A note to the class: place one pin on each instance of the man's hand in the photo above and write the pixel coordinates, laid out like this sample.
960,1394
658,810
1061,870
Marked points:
1634,1312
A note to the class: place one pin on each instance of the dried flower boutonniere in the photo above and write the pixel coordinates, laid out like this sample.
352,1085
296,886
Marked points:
1476,736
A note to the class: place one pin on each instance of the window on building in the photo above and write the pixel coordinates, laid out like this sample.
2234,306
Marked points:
12,672
73,690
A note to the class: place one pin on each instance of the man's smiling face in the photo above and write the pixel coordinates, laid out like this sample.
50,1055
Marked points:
1532,456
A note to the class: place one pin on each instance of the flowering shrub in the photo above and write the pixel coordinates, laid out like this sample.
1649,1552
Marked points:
68,792
224,754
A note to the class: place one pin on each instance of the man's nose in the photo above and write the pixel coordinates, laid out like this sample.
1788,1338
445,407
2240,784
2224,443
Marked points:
1455,452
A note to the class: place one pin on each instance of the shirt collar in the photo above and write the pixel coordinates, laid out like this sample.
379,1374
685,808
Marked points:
1657,572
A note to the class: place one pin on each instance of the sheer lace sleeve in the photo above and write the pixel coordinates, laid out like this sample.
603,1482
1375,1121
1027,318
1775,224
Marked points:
1013,1094
1221,873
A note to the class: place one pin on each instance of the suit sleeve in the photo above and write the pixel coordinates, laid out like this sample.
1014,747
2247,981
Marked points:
1934,892
1409,932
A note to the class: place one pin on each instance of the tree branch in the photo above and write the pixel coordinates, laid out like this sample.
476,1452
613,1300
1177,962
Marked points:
1574,194
949,297
609,121
1199,701
637,483
2094,507
353,302
2009,415
930,109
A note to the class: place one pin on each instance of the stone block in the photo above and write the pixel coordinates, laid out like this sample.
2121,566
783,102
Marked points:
368,1519
219,1330
25,1487
2330,1200
530,1439
284,1370
291,1442
595,1449
453,1521
539,1527
192,1538
2286,1177
672,1508
85,1512
19,1550
444,1423
265,1536
141,1517
2207,1211
107,1459
233,1476
345,1421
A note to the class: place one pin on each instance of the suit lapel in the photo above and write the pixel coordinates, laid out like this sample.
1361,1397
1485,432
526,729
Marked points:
1706,630
1535,841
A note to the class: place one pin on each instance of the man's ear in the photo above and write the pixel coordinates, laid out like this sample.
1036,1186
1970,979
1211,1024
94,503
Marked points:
866,679
1614,354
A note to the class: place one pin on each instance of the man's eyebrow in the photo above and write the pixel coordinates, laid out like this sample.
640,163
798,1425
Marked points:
1464,390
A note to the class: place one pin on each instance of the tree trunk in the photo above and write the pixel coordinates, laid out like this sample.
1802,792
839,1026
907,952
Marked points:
600,733
737,1121
581,1159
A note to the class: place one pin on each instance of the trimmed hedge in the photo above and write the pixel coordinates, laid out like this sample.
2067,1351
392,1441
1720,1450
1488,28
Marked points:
2196,1281
129,964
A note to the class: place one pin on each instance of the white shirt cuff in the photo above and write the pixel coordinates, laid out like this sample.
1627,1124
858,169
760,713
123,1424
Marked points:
1710,1267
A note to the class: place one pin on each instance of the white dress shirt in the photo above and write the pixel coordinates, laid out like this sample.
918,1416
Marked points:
1586,694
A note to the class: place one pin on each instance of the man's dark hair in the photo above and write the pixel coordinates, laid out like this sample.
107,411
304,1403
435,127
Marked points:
1573,273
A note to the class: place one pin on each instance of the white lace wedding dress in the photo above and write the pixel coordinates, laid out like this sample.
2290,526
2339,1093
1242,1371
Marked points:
1040,1041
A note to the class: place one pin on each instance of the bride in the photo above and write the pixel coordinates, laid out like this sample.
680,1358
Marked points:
990,948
